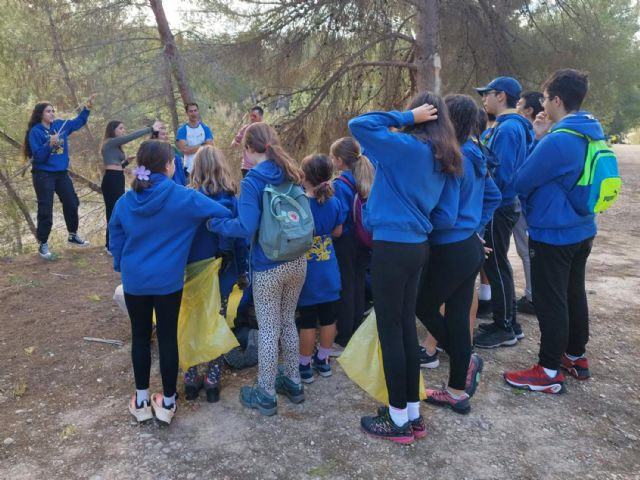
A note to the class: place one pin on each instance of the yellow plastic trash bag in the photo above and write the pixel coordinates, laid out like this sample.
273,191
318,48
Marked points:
362,361
232,305
203,334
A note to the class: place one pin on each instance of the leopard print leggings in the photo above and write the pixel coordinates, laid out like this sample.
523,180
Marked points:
275,295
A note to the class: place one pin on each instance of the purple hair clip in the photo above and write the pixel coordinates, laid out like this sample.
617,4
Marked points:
142,173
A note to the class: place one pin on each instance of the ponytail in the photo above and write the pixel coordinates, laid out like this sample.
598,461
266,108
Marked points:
262,138
318,170
348,150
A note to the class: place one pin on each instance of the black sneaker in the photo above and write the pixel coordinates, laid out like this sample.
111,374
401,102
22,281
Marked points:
192,383
426,360
381,426
525,306
74,239
484,309
490,327
495,337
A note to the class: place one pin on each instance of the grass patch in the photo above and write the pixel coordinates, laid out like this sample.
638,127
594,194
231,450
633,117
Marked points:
19,389
23,282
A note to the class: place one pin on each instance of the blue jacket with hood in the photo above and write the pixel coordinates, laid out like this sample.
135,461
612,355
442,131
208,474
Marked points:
510,140
54,159
479,198
550,172
408,182
246,224
151,232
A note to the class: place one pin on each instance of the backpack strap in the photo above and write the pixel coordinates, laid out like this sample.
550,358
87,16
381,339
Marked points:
572,132
344,180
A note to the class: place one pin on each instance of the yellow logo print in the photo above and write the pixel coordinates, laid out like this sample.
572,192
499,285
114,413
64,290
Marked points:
319,250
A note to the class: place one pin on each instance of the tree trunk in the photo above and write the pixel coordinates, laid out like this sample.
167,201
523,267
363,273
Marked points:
168,90
13,194
57,53
427,57
171,51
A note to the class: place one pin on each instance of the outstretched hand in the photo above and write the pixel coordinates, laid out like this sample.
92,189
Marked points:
424,113
92,97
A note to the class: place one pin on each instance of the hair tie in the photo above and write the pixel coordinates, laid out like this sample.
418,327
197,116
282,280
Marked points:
142,173
267,146
322,184
359,156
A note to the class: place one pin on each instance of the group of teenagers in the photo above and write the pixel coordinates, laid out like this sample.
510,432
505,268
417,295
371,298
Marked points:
438,190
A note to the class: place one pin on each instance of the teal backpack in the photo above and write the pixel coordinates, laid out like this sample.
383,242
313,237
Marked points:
599,184
286,224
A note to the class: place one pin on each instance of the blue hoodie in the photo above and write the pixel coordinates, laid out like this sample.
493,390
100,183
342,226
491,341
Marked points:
246,224
150,234
510,140
552,169
408,182
479,198
345,196
179,177
54,159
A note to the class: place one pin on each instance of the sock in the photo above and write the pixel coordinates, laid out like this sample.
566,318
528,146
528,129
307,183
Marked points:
142,396
573,358
305,359
455,395
485,292
550,373
169,402
413,410
399,416
323,353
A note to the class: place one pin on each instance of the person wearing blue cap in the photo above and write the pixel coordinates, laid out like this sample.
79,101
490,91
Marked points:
509,140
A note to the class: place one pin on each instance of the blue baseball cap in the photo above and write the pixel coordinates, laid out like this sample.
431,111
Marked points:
508,85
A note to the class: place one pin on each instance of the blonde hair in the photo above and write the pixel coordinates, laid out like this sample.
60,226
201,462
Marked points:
348,150
211,172
264,139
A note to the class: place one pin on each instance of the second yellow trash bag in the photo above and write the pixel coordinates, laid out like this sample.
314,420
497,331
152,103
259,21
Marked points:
362,361
203,334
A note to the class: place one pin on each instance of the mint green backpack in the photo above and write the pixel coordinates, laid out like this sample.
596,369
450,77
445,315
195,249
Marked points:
286,224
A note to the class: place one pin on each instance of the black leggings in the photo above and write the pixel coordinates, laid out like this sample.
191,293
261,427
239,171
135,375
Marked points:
395,271
312,315
352,262
450,279
112,189
167,308
45,185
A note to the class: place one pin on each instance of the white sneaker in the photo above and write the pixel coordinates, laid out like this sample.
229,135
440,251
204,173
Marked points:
164,415
43,251
336,350
143,413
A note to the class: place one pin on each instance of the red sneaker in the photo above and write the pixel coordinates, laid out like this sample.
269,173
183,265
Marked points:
535,379
578,368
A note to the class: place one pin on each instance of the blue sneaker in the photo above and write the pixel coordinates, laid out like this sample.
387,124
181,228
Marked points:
323,367
306,373
256,398
286,386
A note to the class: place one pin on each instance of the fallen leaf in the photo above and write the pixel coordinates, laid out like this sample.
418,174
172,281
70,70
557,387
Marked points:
68,432
94,297
29,350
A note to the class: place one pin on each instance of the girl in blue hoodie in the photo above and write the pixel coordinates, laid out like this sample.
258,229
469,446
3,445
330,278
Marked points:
457,254
276,284
412,167
356,177
212,177
46,147
150,235
321,287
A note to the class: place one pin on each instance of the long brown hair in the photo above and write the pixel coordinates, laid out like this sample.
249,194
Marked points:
348,150
440,133
264,139
153,155
110,132
211,172
36,118
318,170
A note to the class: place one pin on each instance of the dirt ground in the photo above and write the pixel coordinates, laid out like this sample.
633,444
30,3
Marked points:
63,400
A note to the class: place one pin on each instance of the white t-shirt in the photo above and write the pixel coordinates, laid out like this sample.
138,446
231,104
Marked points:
193,136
